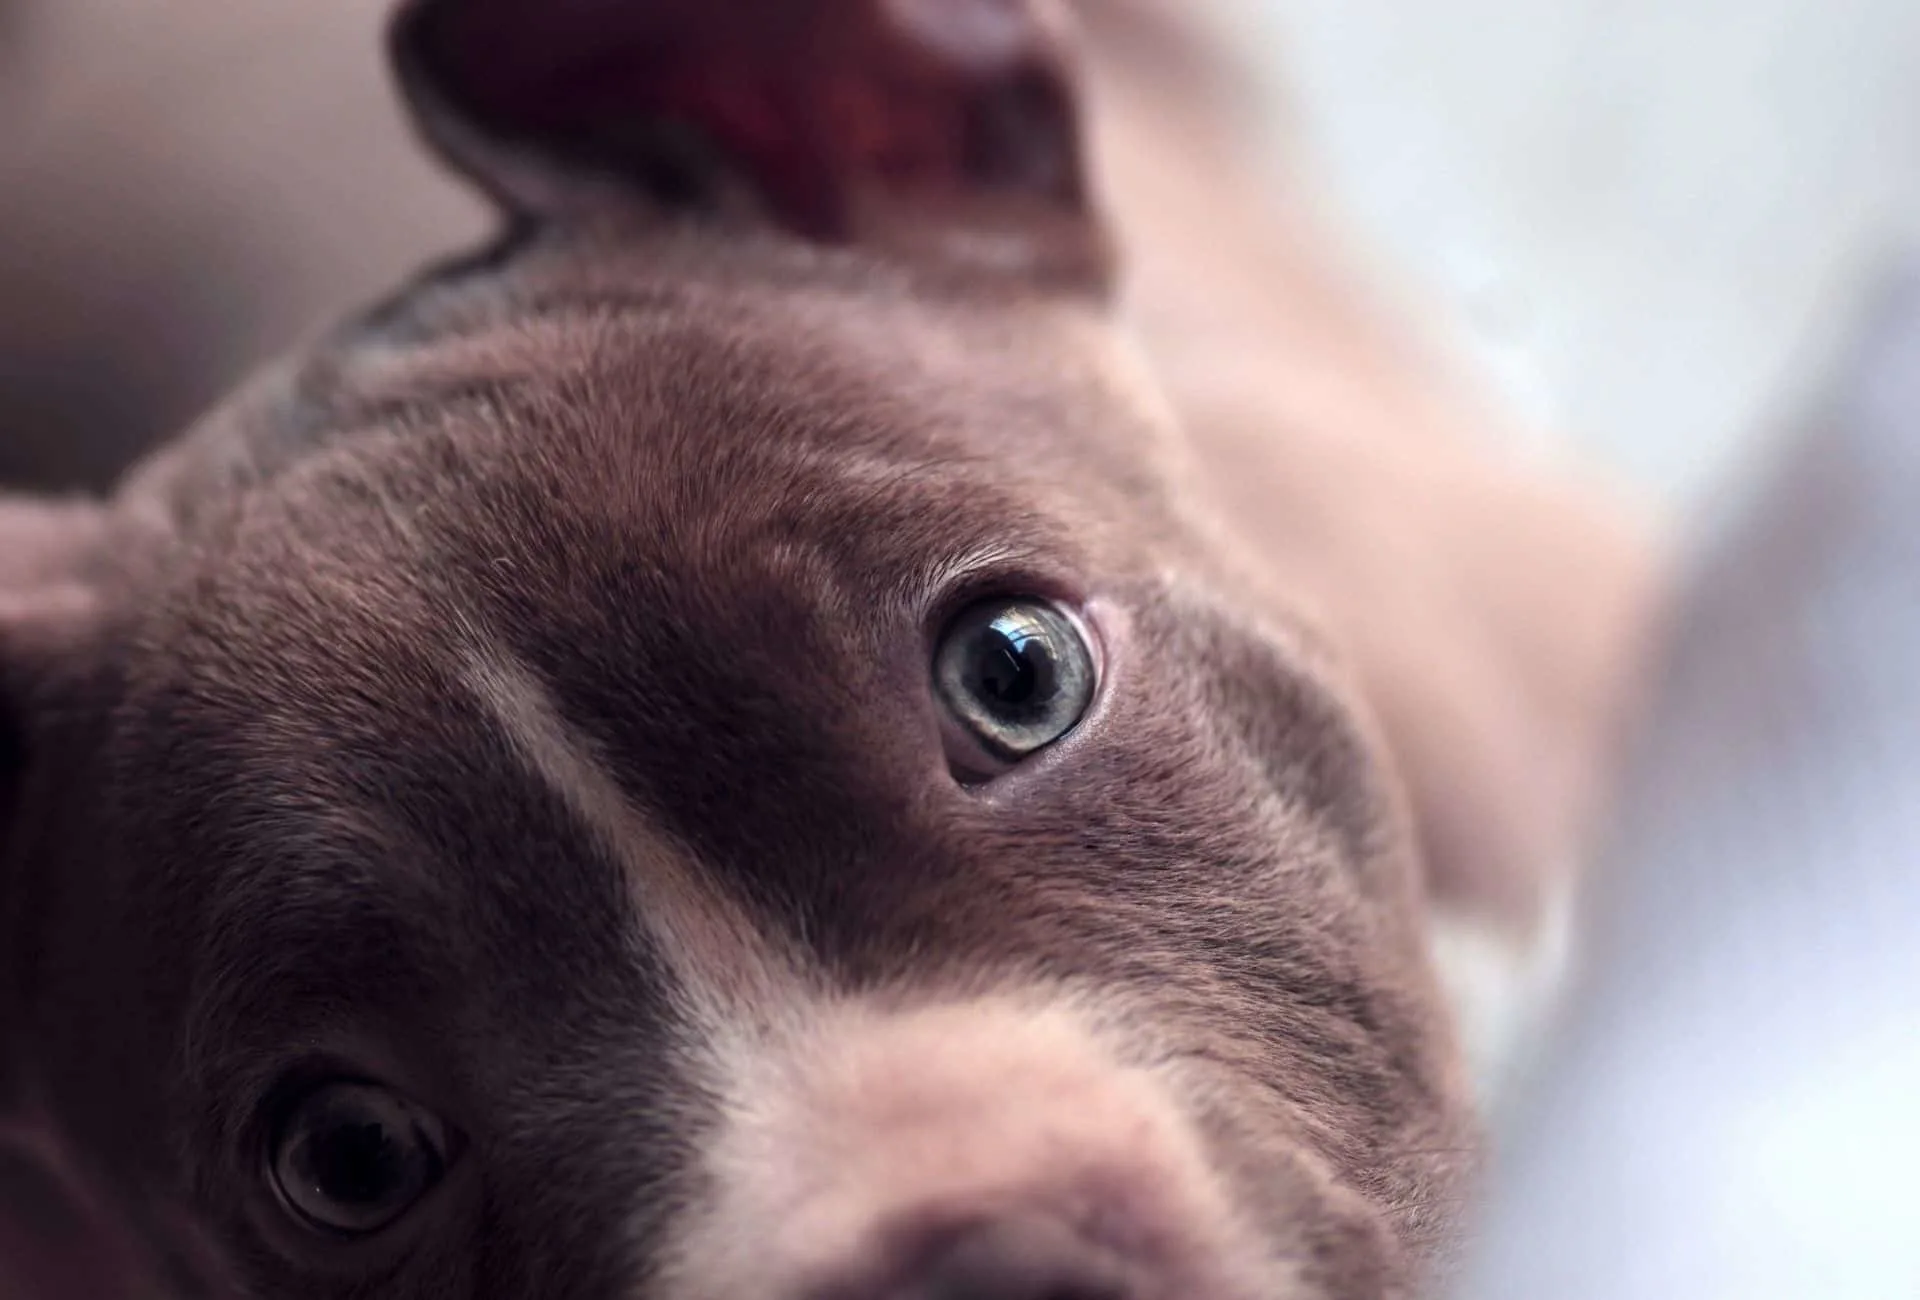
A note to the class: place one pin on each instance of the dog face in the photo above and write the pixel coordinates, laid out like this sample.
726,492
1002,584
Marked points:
704,753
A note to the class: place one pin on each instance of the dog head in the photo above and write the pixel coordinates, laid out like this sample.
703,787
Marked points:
705,752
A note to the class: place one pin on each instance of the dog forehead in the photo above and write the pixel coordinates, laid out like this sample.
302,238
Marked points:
577,436
644,530
771,344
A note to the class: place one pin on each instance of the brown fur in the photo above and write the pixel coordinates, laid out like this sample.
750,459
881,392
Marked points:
520,697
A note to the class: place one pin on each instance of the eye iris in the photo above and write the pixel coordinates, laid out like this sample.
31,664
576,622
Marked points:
1016,675
354,1157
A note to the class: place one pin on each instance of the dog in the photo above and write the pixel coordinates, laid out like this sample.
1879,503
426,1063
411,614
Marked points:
897,691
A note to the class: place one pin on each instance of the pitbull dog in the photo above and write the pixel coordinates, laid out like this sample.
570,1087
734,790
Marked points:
897,693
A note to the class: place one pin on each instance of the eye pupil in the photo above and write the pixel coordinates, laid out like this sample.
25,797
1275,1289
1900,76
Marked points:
355,1164
1008,673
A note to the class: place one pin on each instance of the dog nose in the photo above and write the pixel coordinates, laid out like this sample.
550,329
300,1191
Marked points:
1014,1259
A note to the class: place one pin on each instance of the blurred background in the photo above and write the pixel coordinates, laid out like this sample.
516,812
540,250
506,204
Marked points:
186,189
1652,222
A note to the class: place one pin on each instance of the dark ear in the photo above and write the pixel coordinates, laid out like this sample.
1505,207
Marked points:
47,604
946,126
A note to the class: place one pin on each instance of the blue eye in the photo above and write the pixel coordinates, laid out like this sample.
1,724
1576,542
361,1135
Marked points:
352,1158
1016,675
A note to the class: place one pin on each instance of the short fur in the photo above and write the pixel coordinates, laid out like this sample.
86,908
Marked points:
521,697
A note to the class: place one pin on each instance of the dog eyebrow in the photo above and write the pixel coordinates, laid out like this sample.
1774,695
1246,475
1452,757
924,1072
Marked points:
725,965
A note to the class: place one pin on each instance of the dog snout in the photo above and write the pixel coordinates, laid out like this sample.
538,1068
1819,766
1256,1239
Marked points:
1014,1258
951,1153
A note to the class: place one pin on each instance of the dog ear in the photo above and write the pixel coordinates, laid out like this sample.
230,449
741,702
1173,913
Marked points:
47,604
934,126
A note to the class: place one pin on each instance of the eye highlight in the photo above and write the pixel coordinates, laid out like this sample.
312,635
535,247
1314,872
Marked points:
1013,675
351,1158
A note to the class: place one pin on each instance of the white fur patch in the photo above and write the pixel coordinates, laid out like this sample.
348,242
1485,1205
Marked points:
1503,991
728,970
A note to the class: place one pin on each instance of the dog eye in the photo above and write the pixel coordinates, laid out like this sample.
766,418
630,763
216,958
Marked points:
352,1158
1016,675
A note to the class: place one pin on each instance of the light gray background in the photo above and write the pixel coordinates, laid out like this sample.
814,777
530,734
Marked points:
1653,221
